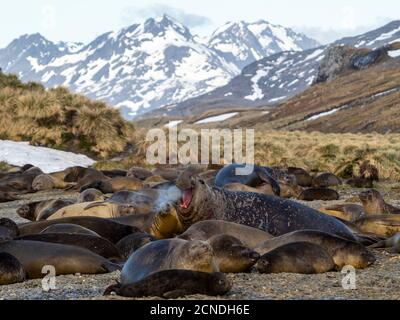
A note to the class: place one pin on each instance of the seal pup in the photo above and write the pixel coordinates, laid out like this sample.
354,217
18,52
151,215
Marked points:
45,182
343,252
34,255
173,284
258,176
231,255
166,255
139,173
374,204
347,212
271,214
8,229
90,195
70,229
41,210
106,228
130,244
296,257
385,226
323,194
326,180
204,230
11,270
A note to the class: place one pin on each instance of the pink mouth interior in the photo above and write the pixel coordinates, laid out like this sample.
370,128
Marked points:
186,199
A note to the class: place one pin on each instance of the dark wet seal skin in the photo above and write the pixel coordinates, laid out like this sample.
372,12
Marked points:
314,194
130,244
95,244
106,228
11,270
258,176
374,204
69,228
166,255
173,284
8,229
326,180
268,213
296,257
8,197
343,252
66,259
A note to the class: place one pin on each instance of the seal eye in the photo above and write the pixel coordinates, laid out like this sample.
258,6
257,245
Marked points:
202,182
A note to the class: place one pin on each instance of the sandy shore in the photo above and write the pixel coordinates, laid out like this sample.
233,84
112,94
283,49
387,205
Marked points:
381,281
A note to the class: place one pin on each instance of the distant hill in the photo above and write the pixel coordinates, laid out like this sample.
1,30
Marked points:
59,119
148,65
277,78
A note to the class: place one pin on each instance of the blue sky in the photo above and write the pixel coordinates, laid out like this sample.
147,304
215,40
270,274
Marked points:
83,20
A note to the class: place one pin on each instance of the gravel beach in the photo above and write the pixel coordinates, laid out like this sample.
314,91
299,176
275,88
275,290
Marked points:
381,281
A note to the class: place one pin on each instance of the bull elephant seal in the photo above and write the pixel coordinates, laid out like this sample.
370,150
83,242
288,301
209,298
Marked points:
108,229
342,251
259,175
11,270
374,204
271,214
90,195
42,210
204,230
347,212
173,284
326,180
130,244
114,185
46,182
296,257
34,255
166,255
94,209
231,256
385,226
70,229
8,229
95,244
323,194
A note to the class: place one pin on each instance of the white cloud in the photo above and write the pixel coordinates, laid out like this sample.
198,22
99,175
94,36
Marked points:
154,10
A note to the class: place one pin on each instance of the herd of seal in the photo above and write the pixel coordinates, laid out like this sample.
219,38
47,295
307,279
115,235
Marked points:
177,231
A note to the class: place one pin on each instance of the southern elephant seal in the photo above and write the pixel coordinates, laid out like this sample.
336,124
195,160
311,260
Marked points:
173,284
11,270
296,257
34,255
374,204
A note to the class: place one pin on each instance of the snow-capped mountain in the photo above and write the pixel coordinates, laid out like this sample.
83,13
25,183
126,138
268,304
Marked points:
243,43
145,66
279,77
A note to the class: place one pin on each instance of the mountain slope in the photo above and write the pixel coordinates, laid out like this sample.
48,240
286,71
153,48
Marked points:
243,43
277,78
145,66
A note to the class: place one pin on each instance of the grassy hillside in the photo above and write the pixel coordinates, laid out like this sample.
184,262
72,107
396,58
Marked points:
58,119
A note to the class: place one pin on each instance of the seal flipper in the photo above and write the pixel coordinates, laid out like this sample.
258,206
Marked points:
175,294
115,288
266,177
111,267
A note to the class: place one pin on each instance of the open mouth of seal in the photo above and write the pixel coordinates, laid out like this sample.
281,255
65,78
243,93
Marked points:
187,198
